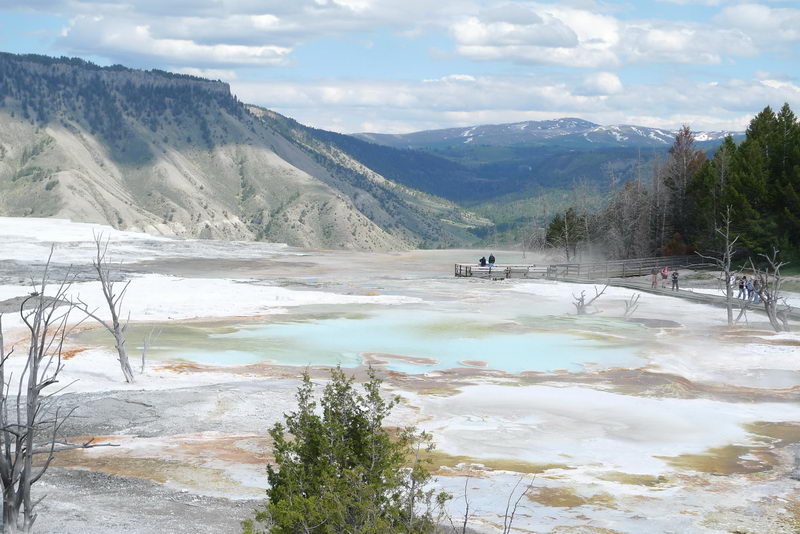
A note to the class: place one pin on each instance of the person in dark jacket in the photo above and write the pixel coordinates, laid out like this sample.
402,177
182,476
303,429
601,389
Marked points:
675,281
491,261
482,261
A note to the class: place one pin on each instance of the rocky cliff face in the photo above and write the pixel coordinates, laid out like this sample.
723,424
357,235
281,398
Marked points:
178,155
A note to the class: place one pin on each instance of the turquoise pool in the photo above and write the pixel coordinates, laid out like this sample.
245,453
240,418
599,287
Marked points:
408,341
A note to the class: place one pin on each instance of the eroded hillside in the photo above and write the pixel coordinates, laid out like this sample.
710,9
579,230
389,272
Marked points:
178,155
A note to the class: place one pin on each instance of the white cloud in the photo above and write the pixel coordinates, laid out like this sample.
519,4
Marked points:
683,43
549,32
265,32
211,74
455,78
539,35
601,97
600,40
600,83
763,22
96,35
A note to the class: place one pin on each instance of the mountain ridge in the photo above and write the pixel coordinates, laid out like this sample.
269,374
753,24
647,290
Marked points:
565,131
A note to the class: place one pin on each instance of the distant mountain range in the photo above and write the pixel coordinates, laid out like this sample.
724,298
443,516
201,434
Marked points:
567,132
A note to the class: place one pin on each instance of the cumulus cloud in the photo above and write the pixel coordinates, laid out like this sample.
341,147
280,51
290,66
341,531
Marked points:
684,43
135,42
211,74
764,23
595,36
599,83
546,34
376,105
538,35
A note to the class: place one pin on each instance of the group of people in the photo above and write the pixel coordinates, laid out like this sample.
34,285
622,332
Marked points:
665,275
748,288
483,263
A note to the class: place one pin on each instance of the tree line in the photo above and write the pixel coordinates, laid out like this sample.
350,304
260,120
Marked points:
678,209
115,103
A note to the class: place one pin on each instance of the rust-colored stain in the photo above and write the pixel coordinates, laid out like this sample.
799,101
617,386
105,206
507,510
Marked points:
71,353
231,449
182,367
199,461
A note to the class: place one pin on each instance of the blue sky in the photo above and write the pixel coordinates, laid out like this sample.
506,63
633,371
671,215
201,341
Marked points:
404,65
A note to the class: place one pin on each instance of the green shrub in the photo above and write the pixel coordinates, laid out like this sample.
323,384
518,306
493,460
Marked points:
338,470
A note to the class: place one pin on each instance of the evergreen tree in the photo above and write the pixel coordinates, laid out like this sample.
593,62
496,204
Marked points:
338,470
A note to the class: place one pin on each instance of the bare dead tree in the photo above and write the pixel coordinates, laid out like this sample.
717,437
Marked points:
586,204
512,504
30,419
769,290
534,239
462,529
744,307
580,302
150,338
113,297
631,305
723,261
511,511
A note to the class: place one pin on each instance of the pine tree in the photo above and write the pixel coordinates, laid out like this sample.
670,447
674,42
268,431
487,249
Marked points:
337,469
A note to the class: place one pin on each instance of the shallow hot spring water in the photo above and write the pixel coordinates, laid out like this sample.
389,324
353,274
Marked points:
408,341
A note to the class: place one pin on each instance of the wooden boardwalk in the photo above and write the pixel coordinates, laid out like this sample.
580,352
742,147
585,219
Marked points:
613,273
586,271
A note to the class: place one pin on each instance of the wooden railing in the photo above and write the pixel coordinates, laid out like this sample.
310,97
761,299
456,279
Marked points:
590,271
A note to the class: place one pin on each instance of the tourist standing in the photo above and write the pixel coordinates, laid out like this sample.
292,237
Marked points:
742,282
674,280
482,261
664,276
654,277
491,261
756,288
749,287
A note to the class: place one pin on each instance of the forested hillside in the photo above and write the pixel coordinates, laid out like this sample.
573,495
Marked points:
759,179
689,196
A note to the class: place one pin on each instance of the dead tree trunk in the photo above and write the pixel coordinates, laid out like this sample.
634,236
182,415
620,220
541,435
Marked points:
724,262
580,301
30,422
149,339
113,299
631,305
769,290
